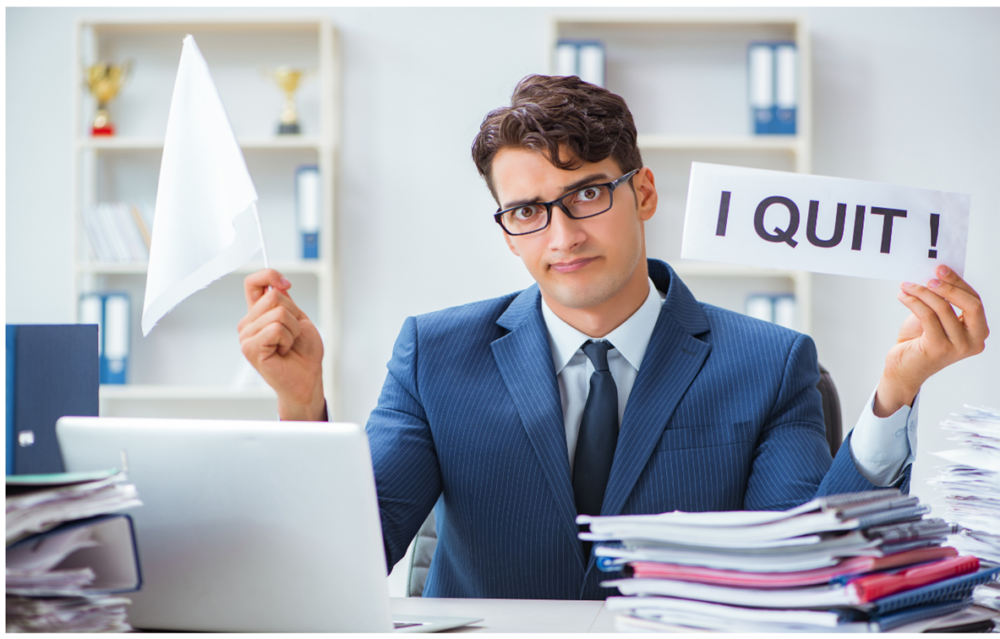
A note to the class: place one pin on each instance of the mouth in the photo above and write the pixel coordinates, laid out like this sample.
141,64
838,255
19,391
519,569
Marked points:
572,265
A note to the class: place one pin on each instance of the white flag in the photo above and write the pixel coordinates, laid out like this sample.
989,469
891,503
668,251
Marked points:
206,223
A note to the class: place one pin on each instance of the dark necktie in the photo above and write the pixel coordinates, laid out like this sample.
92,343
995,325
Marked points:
595,445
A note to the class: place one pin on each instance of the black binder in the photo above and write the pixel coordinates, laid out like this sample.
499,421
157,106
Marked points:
52,371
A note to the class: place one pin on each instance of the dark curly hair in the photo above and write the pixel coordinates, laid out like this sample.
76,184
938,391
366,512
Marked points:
549,112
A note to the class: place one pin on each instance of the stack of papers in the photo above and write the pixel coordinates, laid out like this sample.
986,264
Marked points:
36,503
854,562
971,483
67,558
971,488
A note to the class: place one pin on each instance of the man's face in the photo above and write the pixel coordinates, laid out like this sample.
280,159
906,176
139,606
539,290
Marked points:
578,264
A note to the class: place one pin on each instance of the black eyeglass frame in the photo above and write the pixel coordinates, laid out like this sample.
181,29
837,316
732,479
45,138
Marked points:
498,216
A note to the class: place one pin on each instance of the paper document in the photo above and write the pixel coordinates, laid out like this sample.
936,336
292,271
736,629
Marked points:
823,224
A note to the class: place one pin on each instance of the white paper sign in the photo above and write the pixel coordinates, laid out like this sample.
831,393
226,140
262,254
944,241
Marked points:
823,224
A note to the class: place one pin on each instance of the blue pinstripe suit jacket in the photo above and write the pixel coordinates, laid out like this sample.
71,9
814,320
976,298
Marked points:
724,415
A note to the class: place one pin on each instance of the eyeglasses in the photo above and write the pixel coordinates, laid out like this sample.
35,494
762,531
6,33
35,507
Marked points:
589,201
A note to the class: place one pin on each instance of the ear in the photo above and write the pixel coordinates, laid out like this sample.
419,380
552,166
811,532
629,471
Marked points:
510,243
645,192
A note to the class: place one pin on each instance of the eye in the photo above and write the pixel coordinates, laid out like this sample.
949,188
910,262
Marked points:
525,213
589,194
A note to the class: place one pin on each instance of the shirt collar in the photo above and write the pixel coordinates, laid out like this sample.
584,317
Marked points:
630,339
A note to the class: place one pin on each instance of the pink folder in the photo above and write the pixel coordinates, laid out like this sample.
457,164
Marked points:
851,566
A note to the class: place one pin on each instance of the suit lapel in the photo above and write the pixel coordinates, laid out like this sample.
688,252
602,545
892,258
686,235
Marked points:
671,363
524,358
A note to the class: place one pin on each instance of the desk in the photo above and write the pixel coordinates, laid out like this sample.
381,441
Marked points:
513,615
542,615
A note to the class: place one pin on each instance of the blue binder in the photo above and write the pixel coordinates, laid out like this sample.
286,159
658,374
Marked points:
772,80
308,209
52,371
948,590
115,560
111,311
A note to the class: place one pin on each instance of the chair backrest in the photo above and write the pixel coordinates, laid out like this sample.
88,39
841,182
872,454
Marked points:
831,410
426,540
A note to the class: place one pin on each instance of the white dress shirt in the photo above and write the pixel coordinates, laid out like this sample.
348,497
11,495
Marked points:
881,447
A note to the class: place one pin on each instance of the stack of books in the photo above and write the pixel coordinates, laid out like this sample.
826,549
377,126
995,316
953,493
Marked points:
859,562
971,487
118,232
68,559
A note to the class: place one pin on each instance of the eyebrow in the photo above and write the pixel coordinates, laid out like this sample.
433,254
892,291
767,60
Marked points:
569,188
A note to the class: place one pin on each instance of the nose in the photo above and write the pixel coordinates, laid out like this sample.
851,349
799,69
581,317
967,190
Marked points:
565,233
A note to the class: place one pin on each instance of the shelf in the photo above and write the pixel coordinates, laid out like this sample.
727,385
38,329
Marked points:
125,168
161,392
654,21
111,143
652,142
139,268
111,25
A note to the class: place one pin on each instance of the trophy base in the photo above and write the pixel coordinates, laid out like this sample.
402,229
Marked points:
99,131
289,129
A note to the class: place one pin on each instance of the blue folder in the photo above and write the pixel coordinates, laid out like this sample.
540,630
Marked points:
52,371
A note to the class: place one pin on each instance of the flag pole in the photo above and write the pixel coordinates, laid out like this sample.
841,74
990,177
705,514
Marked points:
260,231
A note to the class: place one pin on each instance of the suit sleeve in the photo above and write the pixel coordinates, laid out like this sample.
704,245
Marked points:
407,475
792,462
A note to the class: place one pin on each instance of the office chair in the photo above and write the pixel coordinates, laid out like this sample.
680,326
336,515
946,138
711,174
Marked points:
426,540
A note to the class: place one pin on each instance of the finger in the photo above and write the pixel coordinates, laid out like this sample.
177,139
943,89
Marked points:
277,315
269,300
274,338
928,318
948,275
256,284
953,327
960,294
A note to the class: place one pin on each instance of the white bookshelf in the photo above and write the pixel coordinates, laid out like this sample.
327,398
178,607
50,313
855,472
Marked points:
189,364
684,80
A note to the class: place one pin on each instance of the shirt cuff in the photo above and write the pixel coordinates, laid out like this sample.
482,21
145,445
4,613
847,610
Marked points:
883,446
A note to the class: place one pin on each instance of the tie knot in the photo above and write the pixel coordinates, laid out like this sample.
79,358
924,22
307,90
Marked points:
598,353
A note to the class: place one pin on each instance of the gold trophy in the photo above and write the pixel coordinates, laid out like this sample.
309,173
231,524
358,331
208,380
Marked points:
104,81
288,79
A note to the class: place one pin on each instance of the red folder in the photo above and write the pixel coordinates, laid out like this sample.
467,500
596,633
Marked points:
872,587
852,566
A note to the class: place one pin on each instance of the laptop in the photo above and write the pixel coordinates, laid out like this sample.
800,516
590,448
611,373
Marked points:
249,526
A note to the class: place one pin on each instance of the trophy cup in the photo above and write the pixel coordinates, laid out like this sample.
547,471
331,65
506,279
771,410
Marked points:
288,80
104,81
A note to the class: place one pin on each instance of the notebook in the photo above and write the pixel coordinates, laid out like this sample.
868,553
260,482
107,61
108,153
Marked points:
249,526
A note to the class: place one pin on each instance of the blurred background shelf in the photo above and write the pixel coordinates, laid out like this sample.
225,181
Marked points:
685,81
186,367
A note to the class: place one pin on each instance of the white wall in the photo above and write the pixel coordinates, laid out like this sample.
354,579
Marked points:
907,96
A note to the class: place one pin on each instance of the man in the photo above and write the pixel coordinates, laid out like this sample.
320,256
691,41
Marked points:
603,389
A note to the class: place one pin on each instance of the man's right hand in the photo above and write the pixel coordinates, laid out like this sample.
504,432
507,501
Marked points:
284,346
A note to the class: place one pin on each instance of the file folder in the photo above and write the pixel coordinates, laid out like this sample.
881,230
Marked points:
114,559
52,371
760,57
307,209
112,312
786,88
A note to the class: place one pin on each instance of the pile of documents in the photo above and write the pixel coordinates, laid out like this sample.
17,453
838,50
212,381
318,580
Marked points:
68,559
971,488
859,562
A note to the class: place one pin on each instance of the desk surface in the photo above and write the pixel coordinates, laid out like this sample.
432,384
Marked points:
542,615
514,615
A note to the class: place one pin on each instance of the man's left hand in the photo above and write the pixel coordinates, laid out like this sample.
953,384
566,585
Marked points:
932,338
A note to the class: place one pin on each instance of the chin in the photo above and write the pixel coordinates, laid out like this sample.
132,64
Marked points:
580,297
